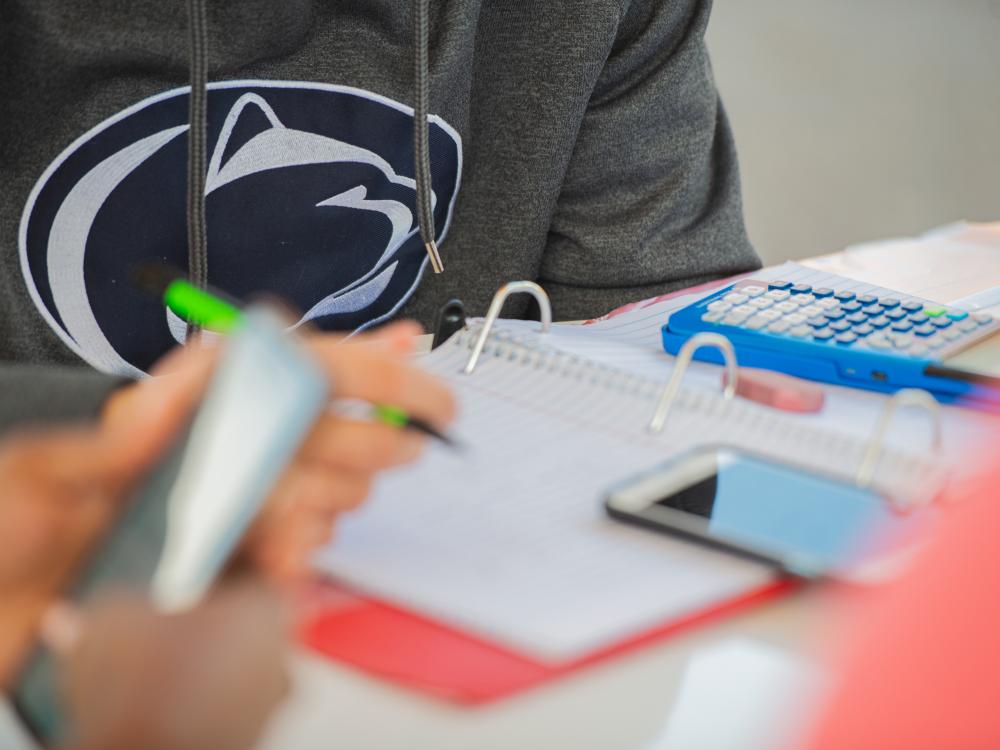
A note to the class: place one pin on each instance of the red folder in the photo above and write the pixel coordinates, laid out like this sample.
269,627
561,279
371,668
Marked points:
420,653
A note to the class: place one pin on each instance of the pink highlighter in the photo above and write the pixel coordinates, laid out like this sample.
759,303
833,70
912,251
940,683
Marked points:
778,391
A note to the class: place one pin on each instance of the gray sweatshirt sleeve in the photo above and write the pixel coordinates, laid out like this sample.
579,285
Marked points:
32,395
651,200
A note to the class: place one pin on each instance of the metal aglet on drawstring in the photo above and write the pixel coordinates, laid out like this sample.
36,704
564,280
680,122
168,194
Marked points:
435,256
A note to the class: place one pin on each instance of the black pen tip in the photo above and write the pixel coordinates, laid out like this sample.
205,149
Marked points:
426,429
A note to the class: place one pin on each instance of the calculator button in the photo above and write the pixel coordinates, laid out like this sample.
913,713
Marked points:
800,332
819,321
803,299
846,338
941,322
800,289
823,292
851,306
834,314
761,302
823,334
982,318
735,298
778,294
786,307
840,326
888,302
828,303
780,285
952,334
934,311
867,299
902,340
935,343
857,318
878,341
712,317
918,318
744,309
873,310
902,325
734,319
844,296
778,326
879,321
771,314
795,319
863,330
752,290
958,314
912,307
719,306
968,325
925,330
896,314
756,323
811,310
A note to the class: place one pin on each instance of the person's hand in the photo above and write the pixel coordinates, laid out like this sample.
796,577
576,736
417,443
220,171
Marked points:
333,470
57,494
206,679
132,678
59,491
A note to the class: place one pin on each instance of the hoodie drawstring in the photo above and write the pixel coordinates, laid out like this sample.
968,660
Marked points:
421,134
197,121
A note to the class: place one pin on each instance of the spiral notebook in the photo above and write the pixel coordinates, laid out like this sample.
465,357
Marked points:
505,544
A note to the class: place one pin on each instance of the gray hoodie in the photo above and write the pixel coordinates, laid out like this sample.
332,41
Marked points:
578,143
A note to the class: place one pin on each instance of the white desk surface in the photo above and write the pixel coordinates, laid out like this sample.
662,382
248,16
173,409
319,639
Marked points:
622,704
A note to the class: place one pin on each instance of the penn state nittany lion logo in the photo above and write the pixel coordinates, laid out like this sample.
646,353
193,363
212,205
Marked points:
309,195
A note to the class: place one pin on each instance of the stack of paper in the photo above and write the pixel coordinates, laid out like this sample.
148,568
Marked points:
955,265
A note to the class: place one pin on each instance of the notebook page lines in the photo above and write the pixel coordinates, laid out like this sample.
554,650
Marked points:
514,544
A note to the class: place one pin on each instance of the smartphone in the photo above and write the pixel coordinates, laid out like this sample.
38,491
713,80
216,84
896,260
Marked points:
180,528
808,524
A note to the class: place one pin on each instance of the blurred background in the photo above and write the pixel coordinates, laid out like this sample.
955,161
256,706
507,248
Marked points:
860,119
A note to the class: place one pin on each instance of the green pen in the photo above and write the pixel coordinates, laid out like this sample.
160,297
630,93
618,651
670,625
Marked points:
213,311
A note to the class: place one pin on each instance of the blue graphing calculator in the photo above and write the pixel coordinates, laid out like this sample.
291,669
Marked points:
881,343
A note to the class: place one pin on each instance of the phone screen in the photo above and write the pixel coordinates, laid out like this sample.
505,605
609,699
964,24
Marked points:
809,524
180,528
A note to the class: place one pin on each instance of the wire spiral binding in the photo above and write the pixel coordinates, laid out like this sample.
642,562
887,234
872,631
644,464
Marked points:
528,351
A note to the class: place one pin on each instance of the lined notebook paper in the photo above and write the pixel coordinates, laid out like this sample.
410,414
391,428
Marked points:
508,538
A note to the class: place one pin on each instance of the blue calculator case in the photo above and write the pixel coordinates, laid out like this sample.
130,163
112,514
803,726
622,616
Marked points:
862,341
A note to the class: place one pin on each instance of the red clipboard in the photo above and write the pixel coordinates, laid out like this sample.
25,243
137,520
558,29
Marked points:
406,648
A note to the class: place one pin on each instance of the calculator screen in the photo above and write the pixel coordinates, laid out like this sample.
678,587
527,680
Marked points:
982,358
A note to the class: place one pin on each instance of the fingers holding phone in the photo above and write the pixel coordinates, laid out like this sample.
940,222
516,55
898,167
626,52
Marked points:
208,678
